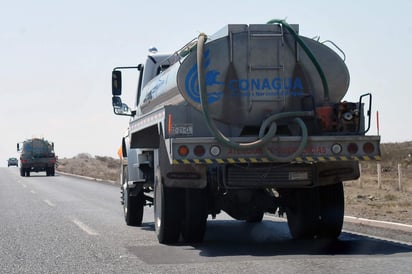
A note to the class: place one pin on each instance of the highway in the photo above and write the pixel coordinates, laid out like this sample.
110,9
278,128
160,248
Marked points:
64,224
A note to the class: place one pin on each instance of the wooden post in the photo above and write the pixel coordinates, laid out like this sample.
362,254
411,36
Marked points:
360,176
399,177
379,169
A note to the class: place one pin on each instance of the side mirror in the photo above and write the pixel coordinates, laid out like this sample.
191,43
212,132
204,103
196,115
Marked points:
116,83
116,102
18,147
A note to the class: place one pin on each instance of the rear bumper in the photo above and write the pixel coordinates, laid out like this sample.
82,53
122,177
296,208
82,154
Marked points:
37,166
289,176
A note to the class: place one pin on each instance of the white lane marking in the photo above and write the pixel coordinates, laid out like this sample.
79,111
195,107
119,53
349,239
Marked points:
85,228
49,203
32,191
376,237
381,224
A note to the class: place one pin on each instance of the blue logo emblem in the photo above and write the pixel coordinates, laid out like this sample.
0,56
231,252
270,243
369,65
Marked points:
192,85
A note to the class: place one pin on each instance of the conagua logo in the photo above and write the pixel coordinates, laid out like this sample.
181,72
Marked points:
256,87
192,85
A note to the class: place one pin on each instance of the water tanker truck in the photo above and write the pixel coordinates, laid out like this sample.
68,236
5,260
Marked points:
36,154
249,120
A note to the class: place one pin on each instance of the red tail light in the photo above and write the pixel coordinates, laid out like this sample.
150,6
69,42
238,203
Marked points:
353,148
368,148
199,151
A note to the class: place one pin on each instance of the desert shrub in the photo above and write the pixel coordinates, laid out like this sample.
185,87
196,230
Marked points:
84,156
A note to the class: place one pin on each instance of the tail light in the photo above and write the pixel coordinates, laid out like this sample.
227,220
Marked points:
199,150
353,148
368,148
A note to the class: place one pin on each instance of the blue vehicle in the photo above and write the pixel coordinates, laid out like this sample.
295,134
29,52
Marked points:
12,162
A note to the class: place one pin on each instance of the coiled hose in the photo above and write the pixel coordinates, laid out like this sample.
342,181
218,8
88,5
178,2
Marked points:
269,122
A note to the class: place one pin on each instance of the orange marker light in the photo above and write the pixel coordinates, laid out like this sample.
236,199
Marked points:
183,151
169,124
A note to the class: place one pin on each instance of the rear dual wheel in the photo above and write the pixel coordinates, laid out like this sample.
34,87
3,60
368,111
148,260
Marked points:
50,171
179,211
168,212
24,172
316,212
195,218
332,199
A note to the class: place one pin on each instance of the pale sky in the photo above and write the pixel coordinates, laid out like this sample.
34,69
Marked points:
56,59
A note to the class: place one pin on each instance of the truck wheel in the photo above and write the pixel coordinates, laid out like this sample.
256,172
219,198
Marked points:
303,213
195,215
133,207
168,207
22,172
27,172
255,217
52,171
332,210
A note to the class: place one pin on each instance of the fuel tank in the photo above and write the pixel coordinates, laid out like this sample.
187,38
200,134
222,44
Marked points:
251,72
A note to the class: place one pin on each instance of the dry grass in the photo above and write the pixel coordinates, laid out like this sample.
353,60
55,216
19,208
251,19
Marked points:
387,202
100,167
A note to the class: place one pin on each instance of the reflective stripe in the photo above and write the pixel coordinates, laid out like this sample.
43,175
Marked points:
254,160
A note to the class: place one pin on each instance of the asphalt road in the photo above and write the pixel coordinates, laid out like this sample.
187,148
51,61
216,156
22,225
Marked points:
69,225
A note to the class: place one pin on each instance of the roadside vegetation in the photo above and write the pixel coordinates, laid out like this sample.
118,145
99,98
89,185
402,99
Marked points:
84,164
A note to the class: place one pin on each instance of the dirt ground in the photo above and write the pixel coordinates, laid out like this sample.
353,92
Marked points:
365,199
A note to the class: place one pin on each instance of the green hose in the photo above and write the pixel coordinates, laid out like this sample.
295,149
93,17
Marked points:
310,55
269,122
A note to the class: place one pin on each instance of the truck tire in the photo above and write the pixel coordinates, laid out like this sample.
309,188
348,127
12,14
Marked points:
168,211
195,215
332,210
22,172
133,207
50,171
255,217
27,172
303,213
